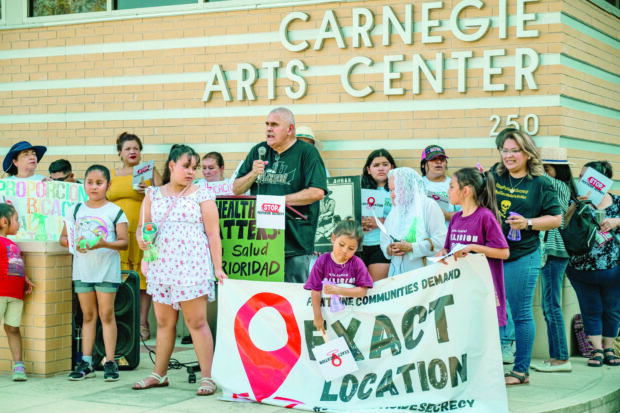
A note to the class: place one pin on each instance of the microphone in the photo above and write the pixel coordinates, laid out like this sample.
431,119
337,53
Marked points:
261,155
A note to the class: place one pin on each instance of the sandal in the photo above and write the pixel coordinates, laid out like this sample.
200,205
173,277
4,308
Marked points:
160,382
610,357
598,359
207,387
523,379
145,333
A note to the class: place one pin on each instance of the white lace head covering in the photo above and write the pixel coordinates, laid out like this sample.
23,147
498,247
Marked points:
409,199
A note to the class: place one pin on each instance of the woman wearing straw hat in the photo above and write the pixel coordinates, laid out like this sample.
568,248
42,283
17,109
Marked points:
21,161
555,260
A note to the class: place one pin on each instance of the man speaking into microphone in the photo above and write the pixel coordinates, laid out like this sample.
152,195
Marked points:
286,166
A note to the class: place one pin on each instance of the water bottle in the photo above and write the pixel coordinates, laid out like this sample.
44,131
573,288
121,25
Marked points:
335,303
514,234
149,231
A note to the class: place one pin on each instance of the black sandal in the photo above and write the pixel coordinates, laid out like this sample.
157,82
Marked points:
596,358
609,357
522,379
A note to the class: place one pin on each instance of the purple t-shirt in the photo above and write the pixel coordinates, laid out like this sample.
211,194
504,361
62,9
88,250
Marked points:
482,228
353,272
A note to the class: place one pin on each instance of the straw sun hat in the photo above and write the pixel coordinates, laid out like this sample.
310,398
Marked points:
552,155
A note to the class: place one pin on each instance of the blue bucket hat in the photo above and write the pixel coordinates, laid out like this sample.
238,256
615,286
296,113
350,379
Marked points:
16,149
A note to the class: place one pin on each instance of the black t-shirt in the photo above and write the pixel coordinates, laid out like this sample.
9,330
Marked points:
297,168
532,198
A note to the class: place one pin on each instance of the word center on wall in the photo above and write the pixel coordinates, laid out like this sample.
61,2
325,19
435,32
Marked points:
524,60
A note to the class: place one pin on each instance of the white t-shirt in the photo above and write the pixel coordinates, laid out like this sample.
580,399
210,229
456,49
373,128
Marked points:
102,264
35,177
438,191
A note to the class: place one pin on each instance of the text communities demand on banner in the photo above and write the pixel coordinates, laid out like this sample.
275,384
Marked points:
426,340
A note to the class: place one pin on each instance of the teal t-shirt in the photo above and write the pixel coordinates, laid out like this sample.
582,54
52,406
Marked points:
297,168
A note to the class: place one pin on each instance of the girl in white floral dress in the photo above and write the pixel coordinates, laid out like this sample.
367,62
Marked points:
189,257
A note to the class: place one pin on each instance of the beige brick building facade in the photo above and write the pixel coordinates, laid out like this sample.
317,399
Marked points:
74,85
363,75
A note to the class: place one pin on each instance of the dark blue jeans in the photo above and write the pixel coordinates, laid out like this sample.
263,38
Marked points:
520,278
598,293
551,282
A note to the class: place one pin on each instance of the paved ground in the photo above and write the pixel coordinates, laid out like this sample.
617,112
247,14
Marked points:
583,390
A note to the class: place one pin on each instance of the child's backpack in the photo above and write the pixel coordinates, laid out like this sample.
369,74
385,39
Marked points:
580,227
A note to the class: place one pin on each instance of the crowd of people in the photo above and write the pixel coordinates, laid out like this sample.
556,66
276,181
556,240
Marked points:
510,213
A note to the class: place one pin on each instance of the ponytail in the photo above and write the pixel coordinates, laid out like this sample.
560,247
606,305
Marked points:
482,185
176,152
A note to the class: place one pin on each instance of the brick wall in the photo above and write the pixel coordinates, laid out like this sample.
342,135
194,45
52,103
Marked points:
135,48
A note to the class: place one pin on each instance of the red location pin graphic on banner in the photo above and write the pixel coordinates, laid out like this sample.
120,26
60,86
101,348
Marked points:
267,370
371,201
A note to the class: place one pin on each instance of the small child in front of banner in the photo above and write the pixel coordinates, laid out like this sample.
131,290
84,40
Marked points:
339,273
476,228
13,285
100,232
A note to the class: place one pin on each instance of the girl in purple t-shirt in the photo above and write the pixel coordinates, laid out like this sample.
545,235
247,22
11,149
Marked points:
477,227
347,275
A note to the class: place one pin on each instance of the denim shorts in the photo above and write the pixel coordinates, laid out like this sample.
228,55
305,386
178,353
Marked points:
102,287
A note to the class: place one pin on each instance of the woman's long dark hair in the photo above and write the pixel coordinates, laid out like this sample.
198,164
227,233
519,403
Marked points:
176,152
368,181
563,173
482,185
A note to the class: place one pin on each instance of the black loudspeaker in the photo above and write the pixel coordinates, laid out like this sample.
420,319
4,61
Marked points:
127,313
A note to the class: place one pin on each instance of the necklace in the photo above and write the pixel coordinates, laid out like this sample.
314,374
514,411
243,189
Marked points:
512,189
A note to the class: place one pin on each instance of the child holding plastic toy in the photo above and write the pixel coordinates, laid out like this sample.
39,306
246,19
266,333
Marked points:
100,233
339,273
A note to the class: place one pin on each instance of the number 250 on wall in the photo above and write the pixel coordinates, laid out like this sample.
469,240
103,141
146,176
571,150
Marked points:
530,124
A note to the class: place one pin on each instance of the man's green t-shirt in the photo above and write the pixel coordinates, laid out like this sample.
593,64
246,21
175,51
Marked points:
297,168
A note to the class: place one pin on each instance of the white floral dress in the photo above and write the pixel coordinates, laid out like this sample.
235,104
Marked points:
183,269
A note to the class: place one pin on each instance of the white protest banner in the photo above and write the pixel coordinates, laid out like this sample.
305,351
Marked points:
373,201
41,206
143,173
334,359
594,185
270,211
426,340
218,187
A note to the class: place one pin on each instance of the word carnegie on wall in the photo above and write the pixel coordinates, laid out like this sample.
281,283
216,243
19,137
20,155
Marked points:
360,35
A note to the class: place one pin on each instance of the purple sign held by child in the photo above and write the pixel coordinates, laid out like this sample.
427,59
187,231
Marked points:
335,303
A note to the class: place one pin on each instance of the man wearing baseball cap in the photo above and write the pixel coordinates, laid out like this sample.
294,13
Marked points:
433,166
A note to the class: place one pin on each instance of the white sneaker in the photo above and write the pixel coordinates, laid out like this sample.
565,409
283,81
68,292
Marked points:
508,355
547,367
